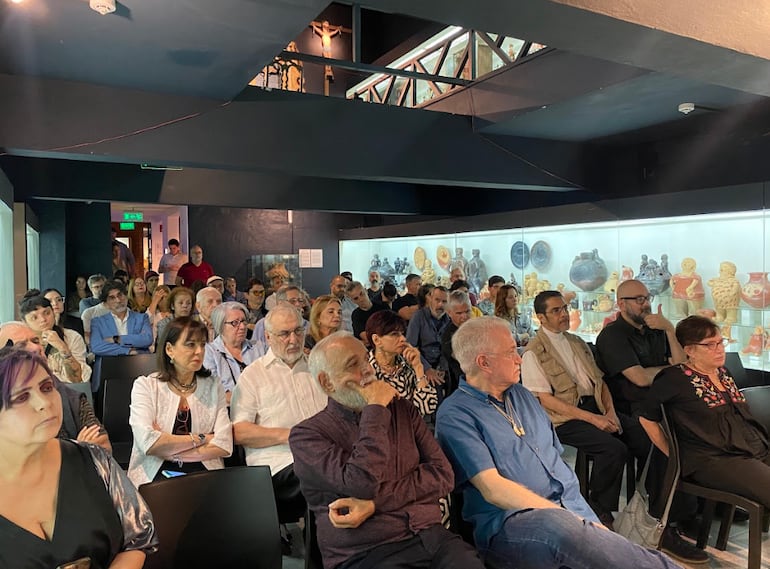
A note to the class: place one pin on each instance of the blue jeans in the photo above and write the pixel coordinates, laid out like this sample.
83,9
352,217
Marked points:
555,538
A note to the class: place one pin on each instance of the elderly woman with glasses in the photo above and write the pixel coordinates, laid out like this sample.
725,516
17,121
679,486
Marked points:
178,413
65,349
230,352
721,444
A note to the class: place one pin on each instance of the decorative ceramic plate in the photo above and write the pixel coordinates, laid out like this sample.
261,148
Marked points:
444,257
419,258
540,255
519,254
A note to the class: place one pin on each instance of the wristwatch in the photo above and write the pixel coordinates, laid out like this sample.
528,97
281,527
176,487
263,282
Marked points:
202,438
116,339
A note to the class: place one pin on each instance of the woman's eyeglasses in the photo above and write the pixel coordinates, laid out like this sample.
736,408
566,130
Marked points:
713,346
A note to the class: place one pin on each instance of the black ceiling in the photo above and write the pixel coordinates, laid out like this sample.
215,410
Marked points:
164,83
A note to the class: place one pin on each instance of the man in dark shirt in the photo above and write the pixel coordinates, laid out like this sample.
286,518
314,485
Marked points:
636,346
371,471
425,330
366,308
631,351
459,311
408,304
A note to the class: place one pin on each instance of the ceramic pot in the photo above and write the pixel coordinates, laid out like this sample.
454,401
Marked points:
588,271
756,292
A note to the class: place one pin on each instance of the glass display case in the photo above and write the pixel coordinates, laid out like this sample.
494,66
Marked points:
687,262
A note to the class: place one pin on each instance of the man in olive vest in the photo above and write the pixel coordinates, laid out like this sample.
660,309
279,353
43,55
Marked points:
559,369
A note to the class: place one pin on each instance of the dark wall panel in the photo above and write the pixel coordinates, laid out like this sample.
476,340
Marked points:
51,216
88,240
230,236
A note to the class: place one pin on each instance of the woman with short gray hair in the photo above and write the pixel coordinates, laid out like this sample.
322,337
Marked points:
229,354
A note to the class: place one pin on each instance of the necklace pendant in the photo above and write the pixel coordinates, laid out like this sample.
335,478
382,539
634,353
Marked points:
519,430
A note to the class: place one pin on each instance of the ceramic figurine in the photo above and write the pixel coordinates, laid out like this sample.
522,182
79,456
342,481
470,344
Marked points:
386,271
588,271
626,273
530,286
612,283
574,320
727,332
375,264
568,295
459,261
515,284
756,342
476,273
655,277
428,274
687,290
756,292
605,303
542,286
726,292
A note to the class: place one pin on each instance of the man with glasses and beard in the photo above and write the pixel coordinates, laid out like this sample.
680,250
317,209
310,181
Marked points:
273,394
636,346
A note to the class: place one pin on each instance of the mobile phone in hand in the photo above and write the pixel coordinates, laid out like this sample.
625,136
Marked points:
172,473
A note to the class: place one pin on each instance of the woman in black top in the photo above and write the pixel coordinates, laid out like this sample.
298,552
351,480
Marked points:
721,444
60,501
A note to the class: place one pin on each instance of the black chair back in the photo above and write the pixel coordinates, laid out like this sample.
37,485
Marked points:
219,518
734,365
114,397
115,413
758,399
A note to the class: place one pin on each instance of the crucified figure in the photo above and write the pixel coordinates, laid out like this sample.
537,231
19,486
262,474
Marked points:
326,32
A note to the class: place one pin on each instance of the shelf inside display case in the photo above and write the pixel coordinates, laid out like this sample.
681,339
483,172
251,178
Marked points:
590,259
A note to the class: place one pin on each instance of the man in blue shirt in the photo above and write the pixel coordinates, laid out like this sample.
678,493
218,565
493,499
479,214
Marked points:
522,498
425,330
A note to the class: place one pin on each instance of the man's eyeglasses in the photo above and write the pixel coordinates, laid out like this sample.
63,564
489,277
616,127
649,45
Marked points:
236,323
713,346
284,335
640,300
295,301
257,292
559,310
116,296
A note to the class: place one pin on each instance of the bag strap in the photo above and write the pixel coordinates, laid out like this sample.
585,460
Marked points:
641,487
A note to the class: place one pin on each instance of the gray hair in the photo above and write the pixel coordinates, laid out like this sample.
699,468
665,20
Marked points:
204,292
220,313
459,298
281,293
286,309
98,277
318,360
353,285
472,339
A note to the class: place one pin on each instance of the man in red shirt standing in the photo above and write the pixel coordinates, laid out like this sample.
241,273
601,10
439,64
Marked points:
195,270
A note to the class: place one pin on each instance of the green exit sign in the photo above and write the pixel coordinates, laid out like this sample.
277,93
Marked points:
126,225
133,216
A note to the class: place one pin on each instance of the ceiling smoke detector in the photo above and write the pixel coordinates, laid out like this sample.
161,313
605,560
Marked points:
104,7
686,108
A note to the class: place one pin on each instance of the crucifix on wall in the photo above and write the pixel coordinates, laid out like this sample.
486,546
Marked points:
327,32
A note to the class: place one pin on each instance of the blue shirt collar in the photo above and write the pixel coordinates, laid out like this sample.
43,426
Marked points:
481,395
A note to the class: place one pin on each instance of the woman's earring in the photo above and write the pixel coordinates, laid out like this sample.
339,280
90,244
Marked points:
172,361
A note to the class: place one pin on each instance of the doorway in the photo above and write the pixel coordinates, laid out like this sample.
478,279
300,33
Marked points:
137,236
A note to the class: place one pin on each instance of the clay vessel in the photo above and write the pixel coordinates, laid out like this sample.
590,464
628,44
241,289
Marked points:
756,292
588,271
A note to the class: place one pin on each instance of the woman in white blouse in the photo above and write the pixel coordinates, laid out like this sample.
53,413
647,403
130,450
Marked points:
179,413
65,349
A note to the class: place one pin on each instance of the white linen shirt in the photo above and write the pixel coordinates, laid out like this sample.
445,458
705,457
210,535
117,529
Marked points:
533,377
271,394
153,402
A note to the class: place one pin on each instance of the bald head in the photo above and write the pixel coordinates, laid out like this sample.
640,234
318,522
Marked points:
19,334
631,287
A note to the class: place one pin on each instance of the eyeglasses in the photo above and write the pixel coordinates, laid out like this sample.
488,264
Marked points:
712,346
116,296
294,300
284,335
640,300
257,292
236,323
507,355
559,310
